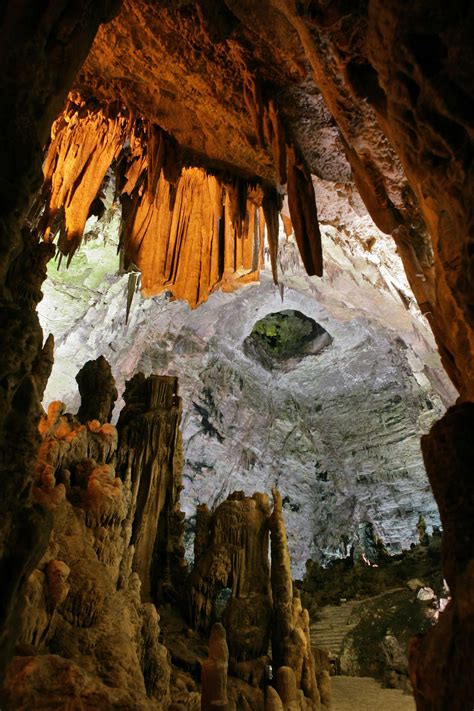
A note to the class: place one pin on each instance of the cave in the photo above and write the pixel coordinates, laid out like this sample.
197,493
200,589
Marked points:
236,291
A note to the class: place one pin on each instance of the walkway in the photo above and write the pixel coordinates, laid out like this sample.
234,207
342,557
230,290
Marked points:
364,694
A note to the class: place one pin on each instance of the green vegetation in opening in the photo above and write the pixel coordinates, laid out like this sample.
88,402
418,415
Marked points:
285,335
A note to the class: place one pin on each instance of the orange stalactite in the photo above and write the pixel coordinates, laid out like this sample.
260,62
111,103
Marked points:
85,140
188,231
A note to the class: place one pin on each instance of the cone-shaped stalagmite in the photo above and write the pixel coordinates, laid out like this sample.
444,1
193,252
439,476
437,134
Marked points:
214,672
97,389
291,646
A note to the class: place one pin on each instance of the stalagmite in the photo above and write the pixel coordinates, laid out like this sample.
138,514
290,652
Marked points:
236,557
214,672
97,390
86,636
291,645
150,458
272,700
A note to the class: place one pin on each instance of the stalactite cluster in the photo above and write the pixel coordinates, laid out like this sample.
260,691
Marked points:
85,139
292,172
193,236
187,230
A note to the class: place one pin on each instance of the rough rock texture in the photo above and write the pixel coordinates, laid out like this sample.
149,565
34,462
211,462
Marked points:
259,426
96,569
440,659
115,550
233,554
398,83
378,644
150,453
386,77
214,672
291,644
54,39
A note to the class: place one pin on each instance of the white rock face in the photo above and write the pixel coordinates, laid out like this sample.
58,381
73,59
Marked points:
338,433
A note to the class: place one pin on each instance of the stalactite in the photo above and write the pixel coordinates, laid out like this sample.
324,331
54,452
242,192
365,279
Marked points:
176,239
253,101
187,231
271,208
275,137
304,217
291,169
84,141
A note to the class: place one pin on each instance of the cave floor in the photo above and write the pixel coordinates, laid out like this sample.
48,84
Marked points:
365,694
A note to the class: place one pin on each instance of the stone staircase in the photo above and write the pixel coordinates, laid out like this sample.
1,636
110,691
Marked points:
332,625
335,621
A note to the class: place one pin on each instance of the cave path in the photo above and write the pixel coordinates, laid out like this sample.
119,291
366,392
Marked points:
351,693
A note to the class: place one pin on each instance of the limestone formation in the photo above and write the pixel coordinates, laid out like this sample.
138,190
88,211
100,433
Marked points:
55,42
437,657
84,141
214,672
291,645
232,84
115,550
236,557
170,212
259,606
149,458
88,620
97,390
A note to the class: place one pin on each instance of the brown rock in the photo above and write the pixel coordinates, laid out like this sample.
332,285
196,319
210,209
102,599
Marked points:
214,672
98,392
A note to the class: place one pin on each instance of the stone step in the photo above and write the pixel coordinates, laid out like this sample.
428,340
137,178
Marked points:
329,630
335,622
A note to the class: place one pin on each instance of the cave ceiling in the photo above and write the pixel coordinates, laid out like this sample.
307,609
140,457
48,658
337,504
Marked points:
211,113
259,97
199,69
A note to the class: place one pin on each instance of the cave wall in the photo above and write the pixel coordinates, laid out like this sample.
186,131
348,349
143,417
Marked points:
396,84
54,39
386,71
262,425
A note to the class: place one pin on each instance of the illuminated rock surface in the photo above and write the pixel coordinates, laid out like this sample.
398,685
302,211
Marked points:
248,428
380,92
